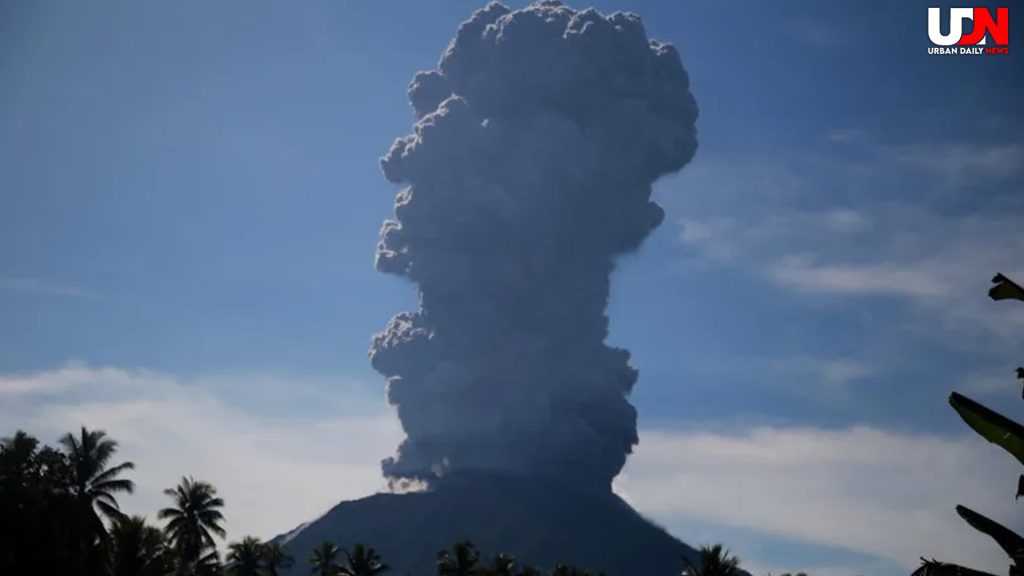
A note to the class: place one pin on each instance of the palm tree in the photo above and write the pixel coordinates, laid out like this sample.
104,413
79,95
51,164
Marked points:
93,484
207,565
245,557
712,561
325,559
362,561
193,520
275,558
461,561
137,549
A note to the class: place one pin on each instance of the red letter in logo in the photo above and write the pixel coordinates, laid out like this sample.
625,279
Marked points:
983,22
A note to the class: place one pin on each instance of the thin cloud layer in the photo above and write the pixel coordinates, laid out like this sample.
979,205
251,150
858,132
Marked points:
887,494
926,223
37,286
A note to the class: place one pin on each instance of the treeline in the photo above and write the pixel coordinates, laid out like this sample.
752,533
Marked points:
59,515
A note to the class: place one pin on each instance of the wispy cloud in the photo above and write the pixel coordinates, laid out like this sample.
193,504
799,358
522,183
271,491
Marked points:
37,286
964,163
803,274
926,222
847,135
886,494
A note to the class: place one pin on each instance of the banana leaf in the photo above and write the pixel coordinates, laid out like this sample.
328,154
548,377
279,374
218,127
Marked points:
935,568
1011,542
992,426
1005,289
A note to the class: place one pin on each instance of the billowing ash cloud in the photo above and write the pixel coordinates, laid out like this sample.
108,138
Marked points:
530,169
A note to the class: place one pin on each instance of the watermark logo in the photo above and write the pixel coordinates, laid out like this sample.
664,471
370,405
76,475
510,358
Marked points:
984,25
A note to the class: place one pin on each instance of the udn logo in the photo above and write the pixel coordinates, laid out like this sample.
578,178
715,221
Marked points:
984,25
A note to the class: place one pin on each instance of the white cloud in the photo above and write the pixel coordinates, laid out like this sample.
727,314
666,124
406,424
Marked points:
273,473
886,494
804,275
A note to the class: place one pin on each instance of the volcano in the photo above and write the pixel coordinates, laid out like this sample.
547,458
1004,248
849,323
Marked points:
540,523
529,171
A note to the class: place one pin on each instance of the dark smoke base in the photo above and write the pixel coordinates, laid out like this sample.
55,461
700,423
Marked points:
530,170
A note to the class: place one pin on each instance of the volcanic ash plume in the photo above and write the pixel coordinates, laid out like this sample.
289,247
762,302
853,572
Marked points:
530,168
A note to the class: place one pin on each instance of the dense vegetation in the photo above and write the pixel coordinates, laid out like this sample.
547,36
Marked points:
60,515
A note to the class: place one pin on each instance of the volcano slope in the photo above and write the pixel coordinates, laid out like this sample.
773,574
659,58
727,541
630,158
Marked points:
538,522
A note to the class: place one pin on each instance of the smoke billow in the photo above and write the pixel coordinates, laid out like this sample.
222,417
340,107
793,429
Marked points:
530,168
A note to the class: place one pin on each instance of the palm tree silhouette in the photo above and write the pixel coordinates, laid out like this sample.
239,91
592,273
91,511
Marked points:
362,561
207,565
712,561
325,559
275,559
193,520
245,557
138,549
461,561
93,484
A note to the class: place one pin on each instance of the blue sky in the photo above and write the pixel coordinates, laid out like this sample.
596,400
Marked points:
190,198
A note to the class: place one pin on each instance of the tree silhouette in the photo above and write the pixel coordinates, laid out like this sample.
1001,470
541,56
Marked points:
138,549
193,520
461,561
324,560
503,565
92,483
362,561
37,511
16,457
207,565
275,559
245,557
712,561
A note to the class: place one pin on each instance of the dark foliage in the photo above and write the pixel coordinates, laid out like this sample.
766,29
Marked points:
1008,435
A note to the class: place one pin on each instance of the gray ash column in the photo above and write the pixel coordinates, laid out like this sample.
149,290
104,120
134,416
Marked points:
529,170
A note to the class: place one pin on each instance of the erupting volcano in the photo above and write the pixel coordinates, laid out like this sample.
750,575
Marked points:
538,138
